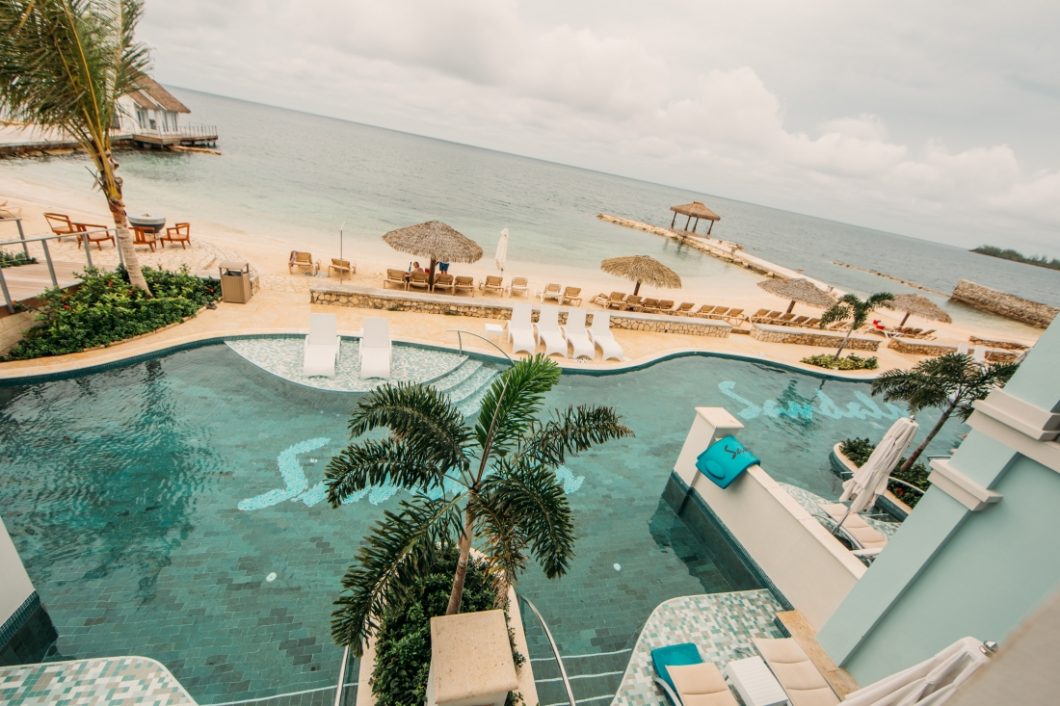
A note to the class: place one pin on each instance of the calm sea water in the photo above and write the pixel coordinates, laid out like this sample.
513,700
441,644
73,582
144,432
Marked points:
302,176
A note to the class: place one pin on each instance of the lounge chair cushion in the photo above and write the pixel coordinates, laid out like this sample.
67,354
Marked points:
701,685
802,682
663,658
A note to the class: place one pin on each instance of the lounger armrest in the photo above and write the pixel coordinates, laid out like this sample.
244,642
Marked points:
867,553
670,693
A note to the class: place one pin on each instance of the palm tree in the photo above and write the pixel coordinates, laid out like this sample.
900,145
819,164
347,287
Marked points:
855,309
952,381
63,65
495,482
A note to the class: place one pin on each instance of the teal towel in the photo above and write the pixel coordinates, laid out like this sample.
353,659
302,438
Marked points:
724,460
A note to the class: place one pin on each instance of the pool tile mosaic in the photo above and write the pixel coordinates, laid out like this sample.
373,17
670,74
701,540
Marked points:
811,502
720,624
118,681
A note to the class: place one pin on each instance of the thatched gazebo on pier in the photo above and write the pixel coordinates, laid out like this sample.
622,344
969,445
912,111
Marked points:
697,210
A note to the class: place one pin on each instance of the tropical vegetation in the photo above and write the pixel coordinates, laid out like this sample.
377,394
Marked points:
855,310
492,483
1015,256
106,308
951,382
16,260
63,65
850,362
858,450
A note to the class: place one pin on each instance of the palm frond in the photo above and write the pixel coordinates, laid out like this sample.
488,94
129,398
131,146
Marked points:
381,462
839,311
394,553
513,401
505,545
572,430
530,506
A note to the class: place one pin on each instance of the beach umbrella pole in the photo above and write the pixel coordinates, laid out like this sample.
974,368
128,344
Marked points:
904,319
636,289
790,307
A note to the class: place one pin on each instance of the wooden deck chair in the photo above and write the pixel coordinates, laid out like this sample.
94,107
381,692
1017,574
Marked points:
685,309
464,283
736,314
703,311
617,300
633,302
61,224
420,280
492,285
396,278
95,233
649,305
301,260
144,236
572,296
552,291
181,233
519,286
344,268
665,306
445,283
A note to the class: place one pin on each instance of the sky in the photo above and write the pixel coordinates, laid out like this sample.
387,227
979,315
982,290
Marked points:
934,119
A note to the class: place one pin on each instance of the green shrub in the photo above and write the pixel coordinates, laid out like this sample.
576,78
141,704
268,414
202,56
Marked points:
858,450
9,260
850,362
105,308
403,647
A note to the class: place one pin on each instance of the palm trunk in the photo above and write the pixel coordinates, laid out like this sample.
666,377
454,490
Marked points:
843,345
931,435
464,546
110,183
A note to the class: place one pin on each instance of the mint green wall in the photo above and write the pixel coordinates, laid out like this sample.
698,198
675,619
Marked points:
950,572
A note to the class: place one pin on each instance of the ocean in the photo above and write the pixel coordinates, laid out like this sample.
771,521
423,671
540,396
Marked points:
303,177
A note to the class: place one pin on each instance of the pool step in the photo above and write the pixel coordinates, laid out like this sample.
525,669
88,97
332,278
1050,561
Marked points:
479,384
457,375
594,678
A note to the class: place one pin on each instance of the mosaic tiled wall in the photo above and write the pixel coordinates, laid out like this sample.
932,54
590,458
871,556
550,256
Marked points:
27,634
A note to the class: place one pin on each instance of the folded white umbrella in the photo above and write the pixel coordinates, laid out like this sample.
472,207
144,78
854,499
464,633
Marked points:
501,256
930,682
869,481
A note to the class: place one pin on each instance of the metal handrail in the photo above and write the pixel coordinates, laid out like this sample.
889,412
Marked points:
555,650
43,240
340,688
460,333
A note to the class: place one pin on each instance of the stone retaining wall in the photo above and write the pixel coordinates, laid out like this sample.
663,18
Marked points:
811,337
363,298
918,347
1003,304
12,327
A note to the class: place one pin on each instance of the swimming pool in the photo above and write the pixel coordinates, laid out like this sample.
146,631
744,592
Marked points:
153,503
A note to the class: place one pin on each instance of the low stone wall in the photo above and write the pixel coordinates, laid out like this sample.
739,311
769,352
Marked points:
1003,304
919,347
364,298
12,327
998,343
811,337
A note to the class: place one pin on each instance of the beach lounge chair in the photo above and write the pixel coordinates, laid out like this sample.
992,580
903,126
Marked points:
344,268
703,311
648,305
181,233
321,348
804,685
687,680
493,285
633,302
396,278
685,309
600,331
521,331
578,336
665,306
464,283
867,539
735,316
61,224
549,333
572,296
552,291
302,261
519,286
420,280
617,300
144,236
375,348
95,233
445,283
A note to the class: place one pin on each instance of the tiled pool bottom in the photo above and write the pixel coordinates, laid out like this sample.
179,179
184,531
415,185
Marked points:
121,681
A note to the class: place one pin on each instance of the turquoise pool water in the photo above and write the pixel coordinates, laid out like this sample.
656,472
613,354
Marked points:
173,508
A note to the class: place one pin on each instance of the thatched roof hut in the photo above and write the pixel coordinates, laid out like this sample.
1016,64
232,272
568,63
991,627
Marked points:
920,306
697,210
798,290
640,269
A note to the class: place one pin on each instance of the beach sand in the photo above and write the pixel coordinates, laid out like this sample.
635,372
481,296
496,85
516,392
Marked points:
283,303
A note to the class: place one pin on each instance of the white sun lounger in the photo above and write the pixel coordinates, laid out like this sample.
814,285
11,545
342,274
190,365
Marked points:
375,348
521,331
868,539
578,336
321,346
549,333
804,685
602,336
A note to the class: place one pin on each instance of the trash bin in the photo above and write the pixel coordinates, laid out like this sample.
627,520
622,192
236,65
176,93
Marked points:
235,282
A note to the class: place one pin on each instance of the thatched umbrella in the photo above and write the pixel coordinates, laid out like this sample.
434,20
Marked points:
798,290
921,306
434,240
641,268
697,210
